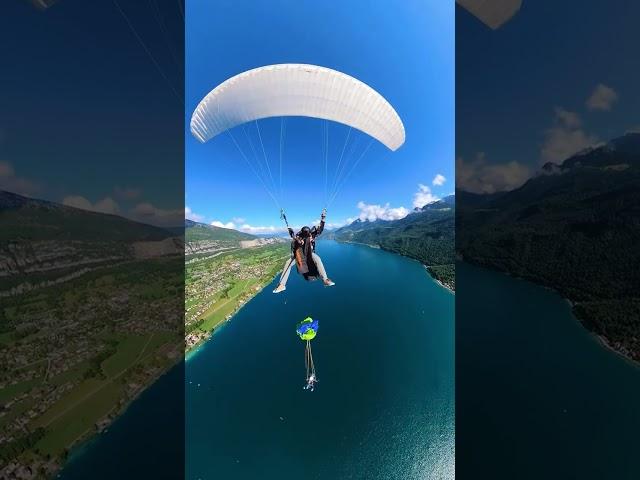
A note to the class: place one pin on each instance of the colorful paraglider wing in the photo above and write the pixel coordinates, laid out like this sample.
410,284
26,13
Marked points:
297,90
307,329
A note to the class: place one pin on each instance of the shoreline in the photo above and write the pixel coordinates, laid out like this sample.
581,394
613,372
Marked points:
604,342
192,351
90,435
378,247
83,441
600,339
439,282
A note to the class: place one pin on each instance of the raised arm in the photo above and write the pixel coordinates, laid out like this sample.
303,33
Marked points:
318,230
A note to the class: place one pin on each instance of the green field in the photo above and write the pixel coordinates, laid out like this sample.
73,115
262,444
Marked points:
71,375
122,327
12,391
236,275
77,413
18,410
68,402
70,425
219,311
128,350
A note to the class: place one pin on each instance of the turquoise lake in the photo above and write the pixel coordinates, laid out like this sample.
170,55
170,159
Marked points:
383,407
537,395
384,356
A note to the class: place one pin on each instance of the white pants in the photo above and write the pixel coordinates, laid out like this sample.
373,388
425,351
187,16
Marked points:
292,261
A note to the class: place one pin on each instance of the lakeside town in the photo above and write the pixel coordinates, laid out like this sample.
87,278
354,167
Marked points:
76,353
216,286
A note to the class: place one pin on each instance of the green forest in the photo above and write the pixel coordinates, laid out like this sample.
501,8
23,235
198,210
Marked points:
427,235
573,228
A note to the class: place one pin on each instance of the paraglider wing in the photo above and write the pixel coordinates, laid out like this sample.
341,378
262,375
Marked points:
493,13
307,329
297,90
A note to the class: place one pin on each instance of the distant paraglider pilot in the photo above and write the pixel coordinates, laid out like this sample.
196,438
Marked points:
304,256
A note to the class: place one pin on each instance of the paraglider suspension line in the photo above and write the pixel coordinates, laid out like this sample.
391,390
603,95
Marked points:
148,52
252,168
308,361
283,216
345,178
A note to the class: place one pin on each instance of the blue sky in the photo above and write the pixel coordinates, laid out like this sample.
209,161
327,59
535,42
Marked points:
559,77
404,50
89,120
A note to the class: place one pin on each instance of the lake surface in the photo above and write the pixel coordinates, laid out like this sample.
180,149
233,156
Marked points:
384,356
146,441
536,395
383,407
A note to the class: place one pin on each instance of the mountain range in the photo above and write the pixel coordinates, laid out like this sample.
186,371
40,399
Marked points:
204,239
427,234
574,227
31,219
44,242
196,231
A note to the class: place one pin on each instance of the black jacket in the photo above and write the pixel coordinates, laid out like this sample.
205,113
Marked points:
298,241
304,261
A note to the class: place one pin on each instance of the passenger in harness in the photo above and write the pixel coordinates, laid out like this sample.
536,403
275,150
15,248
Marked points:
304,256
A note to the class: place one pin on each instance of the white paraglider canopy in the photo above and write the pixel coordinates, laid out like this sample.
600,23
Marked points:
493,13
298,90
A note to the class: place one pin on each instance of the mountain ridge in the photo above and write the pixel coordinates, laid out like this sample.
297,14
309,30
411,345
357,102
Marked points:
567,229
426,235
32,219
44,242
197,231
203,240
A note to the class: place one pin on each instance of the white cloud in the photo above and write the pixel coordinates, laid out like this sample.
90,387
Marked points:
560,144
106,205
147,213
478,176
12,183
247,228
565,137
6,169
423,196
269,229
602,98
217,223
77,201
191,215
329,225
262,229
143,212
567,118
338,224
634,129
378,212
439,180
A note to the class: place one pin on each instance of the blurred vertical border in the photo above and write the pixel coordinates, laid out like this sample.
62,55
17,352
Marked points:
92,239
